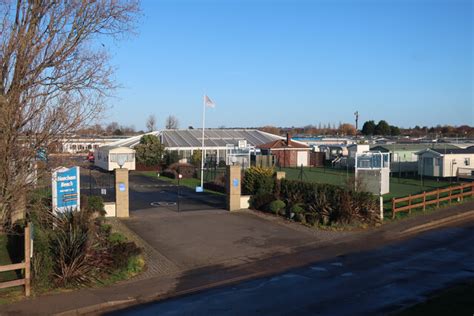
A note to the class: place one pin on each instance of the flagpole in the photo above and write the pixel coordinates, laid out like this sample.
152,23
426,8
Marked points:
202,150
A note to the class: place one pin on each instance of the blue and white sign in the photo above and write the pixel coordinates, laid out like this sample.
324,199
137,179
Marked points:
122,187
199,189
66,189
235,182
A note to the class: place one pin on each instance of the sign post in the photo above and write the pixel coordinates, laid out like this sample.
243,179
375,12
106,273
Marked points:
66,189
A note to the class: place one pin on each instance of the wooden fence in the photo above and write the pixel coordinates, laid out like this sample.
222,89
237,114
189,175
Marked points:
26,281
425,199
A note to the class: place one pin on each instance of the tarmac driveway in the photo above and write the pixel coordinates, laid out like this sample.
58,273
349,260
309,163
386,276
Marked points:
202,233
216,237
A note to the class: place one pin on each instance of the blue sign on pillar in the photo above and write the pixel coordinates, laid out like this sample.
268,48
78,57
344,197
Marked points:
66,189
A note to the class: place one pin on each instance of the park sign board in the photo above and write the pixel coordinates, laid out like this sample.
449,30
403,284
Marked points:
66,189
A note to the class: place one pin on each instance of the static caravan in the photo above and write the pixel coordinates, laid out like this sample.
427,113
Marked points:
445,163
110,158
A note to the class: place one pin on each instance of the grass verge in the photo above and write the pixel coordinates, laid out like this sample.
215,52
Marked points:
456,300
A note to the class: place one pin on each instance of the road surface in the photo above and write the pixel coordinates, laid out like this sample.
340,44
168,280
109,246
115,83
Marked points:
374,282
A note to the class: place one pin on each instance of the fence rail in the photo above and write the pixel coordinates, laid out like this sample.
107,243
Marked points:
425,199
23,265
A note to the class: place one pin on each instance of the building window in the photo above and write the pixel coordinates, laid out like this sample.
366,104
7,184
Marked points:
467,161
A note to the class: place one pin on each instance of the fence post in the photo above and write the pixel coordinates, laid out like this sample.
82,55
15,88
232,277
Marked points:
437,197
472,189
462,192
409,204
450,193
424,201
27,260
393,208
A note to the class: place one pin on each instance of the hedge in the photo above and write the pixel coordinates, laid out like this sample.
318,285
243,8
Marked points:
328,204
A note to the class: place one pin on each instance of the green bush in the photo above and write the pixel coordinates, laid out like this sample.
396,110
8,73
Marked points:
328,204
96,204
149,151
42,262
297,209
260,201
299,217
258,181
277,206
310,218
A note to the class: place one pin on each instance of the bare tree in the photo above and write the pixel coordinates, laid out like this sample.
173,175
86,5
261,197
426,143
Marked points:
54,78
171,122
151,123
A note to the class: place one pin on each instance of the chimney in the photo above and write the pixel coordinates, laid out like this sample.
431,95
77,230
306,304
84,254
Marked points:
288,139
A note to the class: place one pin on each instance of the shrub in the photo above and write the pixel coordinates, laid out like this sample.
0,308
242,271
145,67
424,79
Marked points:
122,252
296,209
276,206
258,180
169,174
299,217
260,201
328,204
42,261
187,170
80,254
310,218
95,204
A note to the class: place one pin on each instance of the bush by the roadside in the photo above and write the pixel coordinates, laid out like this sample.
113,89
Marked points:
317,203
93,204
75,248
296,212
276,207
188,171
258,181
260,201
328,204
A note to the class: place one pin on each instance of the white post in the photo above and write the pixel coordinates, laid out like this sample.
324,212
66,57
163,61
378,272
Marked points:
202,150
381,207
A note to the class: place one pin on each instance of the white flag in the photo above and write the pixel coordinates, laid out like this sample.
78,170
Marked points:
208,102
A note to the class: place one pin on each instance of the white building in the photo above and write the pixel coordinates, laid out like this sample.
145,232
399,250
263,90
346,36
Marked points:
110,158
83,144
444,163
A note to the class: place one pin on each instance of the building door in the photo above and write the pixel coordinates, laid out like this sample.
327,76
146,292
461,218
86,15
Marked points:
302,158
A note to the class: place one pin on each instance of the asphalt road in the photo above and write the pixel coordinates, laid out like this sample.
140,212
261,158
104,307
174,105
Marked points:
147,192
368,283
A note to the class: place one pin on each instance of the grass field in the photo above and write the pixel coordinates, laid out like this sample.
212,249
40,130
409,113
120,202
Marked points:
457,300
398,186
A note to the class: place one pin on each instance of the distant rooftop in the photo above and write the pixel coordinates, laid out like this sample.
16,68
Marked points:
411,147
215,137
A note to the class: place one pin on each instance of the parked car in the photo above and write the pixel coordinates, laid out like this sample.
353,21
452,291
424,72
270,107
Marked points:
90,156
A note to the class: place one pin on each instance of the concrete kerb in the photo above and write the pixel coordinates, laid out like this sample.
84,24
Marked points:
438,223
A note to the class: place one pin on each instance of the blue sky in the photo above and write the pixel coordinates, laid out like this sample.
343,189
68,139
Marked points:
294,63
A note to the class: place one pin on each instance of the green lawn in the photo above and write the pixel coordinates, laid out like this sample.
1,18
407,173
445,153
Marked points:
398,187
457,300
